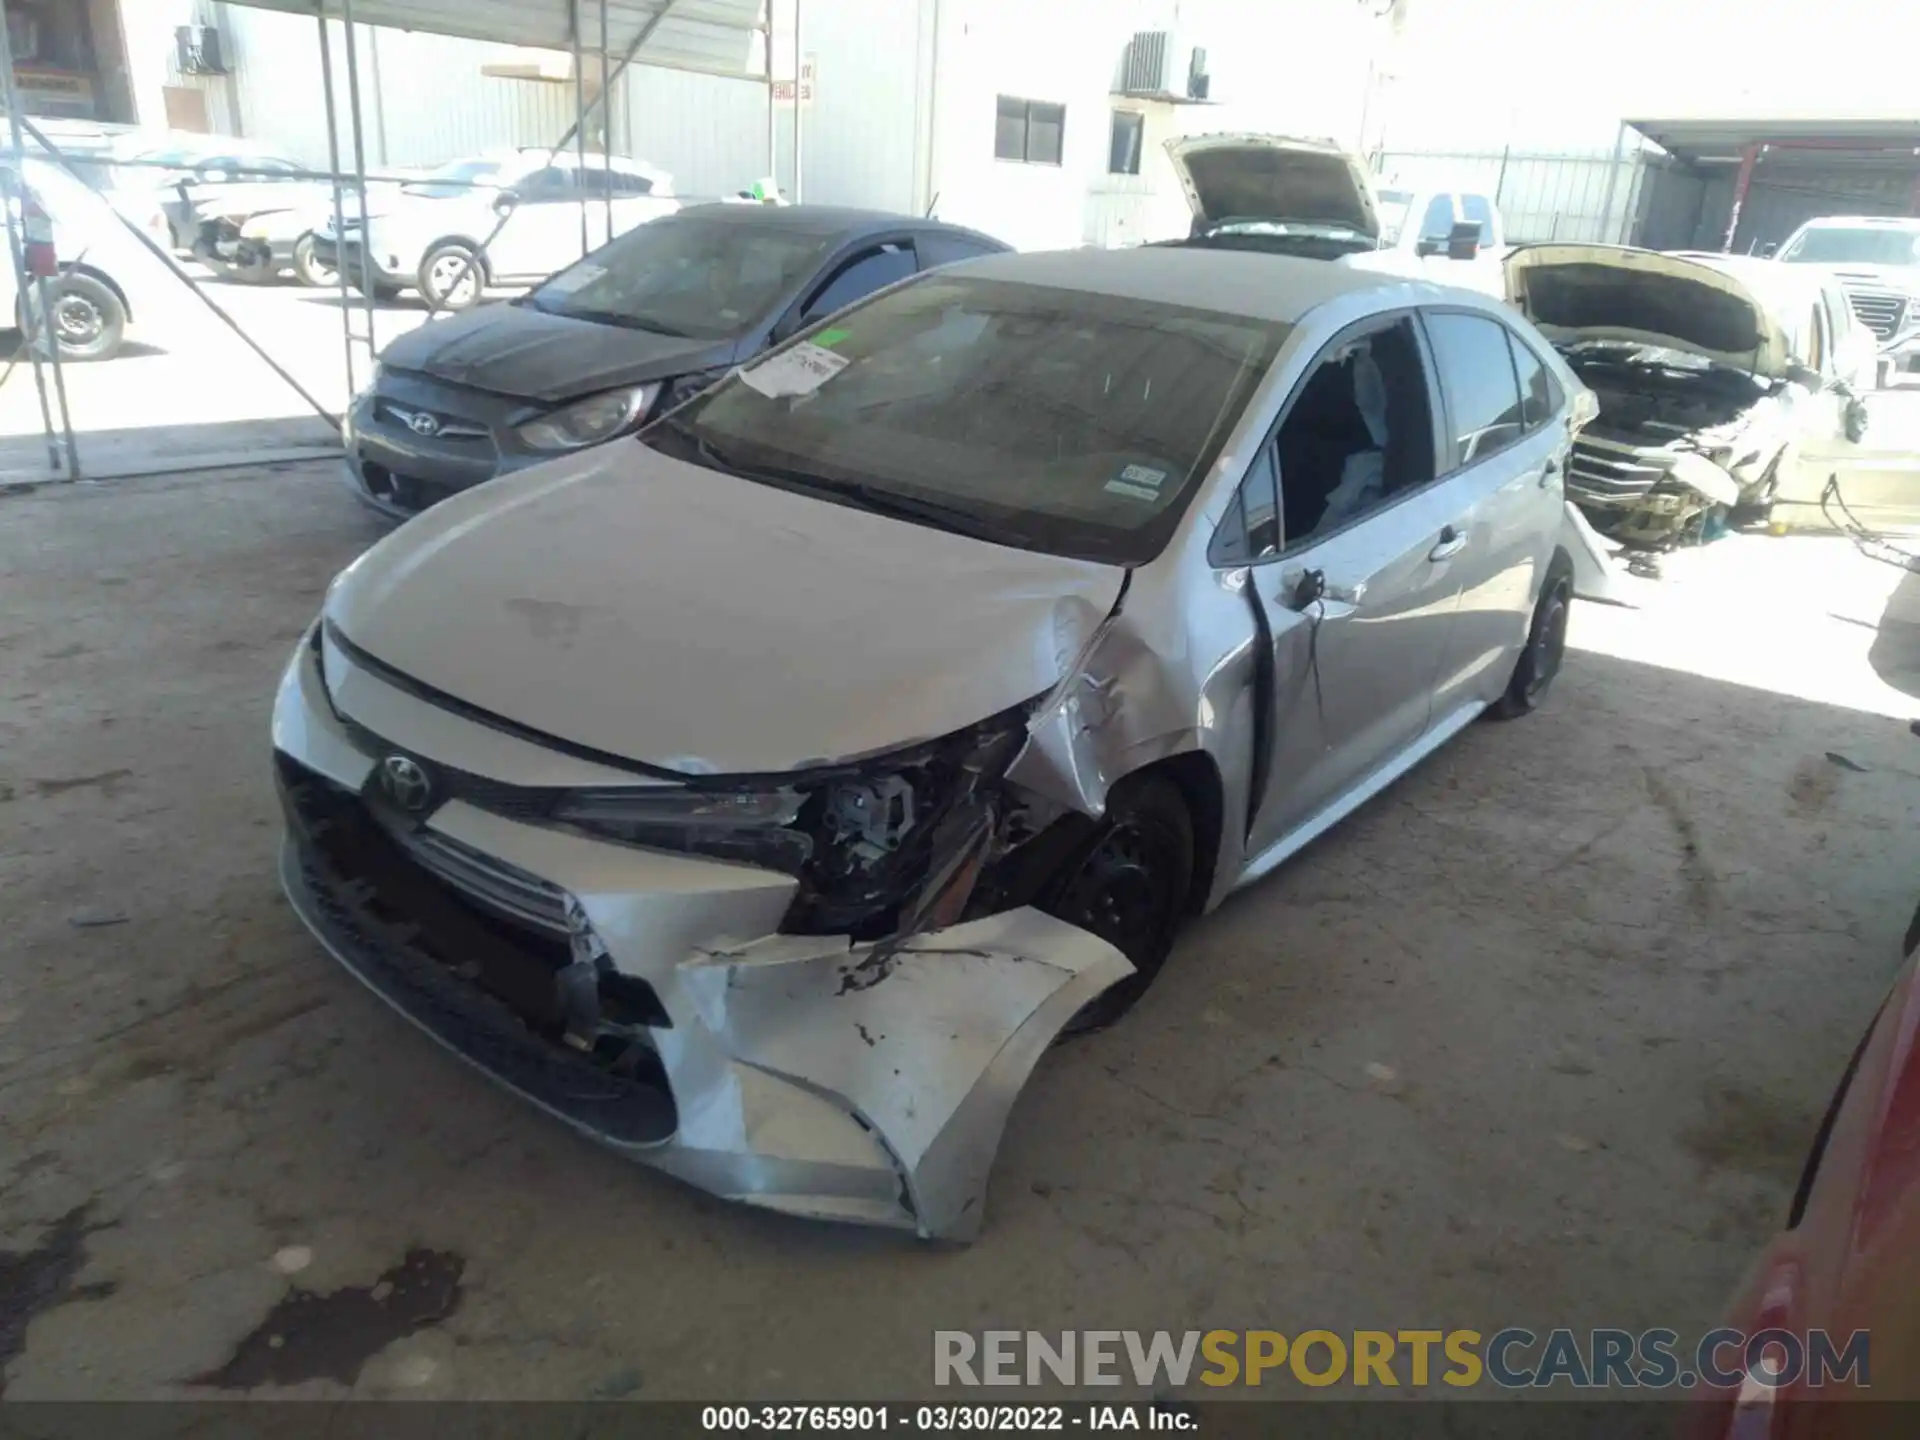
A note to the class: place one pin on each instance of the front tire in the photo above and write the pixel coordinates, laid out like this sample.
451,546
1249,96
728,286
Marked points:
440,270
307,267
1539,663
1129,883
89,322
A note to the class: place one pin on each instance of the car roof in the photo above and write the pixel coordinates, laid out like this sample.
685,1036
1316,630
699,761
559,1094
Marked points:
1866,222
1279,288
845,220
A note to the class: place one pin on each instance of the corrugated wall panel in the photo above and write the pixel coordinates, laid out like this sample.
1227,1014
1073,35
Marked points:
709,131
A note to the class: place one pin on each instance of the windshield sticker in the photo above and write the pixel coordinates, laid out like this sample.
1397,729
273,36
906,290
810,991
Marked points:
1141,482
568,281
831,336
799,370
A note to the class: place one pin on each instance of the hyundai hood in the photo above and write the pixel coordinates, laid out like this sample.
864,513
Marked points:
681,617
1576,293
1273,178
521,351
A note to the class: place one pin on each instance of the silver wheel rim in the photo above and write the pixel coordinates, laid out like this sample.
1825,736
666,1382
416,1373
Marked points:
77,319
446,270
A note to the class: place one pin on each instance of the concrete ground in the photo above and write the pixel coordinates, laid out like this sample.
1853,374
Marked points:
1538,1037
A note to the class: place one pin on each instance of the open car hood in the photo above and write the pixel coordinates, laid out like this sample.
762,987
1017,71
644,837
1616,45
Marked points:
1611,292
1273,177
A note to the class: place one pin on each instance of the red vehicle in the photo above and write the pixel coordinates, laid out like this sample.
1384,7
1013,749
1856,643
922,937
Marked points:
1848,1260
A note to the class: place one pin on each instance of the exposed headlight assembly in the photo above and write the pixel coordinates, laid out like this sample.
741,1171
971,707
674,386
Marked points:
860,838
589,421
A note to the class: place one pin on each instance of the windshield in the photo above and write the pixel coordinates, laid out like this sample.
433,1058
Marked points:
1048,419
1392,207
684,276
1855,245
456,177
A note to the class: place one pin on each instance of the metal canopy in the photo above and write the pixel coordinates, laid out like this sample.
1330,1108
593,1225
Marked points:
1722,139
718,37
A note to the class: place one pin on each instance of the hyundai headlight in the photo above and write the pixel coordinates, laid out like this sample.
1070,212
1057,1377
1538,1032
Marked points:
588,421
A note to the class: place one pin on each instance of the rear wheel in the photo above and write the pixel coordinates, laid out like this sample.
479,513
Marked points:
451,277
1128,884
1539,663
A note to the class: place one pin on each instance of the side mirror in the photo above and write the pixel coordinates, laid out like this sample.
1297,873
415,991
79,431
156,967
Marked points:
1806,376
1463,241
1428,245
1854,419
1769,250
506,202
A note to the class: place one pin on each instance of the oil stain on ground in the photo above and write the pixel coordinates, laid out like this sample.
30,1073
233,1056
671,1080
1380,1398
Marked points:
329,1337
36,1280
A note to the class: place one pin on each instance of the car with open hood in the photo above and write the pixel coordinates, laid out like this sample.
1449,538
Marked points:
1283,195
623,335
1876,259
1721,380
763,793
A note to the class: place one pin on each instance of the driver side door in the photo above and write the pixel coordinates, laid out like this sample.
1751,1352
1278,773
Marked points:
543,231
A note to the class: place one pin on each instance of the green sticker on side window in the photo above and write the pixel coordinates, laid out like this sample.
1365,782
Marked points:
830,336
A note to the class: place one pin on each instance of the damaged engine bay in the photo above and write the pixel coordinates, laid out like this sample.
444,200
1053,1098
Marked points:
1680,445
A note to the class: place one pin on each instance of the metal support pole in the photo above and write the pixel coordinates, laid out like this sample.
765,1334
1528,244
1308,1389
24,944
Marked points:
46,325
367,286
773,118
579,121
799,190
339,211
606,120
1749,157
1613,178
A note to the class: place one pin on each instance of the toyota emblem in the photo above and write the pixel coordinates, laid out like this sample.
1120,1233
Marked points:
406,783
423,424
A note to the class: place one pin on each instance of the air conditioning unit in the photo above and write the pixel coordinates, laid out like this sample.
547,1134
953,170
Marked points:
1151,68
196,50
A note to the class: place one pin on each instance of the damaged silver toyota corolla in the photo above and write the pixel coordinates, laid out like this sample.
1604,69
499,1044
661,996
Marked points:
762,795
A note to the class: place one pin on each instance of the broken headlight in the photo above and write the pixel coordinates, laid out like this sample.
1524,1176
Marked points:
746,825
860,838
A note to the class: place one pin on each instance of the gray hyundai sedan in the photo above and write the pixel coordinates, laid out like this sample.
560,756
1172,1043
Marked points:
761,795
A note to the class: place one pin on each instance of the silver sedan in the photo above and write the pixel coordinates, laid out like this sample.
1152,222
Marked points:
762,795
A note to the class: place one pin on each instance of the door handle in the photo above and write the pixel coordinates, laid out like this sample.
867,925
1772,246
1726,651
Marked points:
1309,587
1452,542
1551,472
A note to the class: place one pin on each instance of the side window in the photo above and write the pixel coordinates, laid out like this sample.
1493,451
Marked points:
861,276
1029,131
1539,397
1476,374
550,183
1124,141
627,182
1357,433
1437,223
1250,530
938,249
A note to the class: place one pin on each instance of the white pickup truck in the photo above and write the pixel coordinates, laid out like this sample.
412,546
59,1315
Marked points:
1312,198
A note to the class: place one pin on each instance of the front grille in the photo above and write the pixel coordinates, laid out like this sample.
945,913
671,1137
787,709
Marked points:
1881,311
487,983
407,492
500,887
1603,471
444,426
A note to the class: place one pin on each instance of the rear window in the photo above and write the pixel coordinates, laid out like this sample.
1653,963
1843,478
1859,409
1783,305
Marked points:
1049,419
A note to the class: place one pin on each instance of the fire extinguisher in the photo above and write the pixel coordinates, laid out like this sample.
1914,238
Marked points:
37,228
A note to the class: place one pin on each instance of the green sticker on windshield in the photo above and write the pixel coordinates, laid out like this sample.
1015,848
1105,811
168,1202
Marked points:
830,336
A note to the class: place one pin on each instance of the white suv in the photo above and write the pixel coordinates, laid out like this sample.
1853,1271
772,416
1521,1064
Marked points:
1877,259
496,220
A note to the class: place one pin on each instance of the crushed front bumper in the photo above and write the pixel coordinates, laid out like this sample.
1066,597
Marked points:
865,1083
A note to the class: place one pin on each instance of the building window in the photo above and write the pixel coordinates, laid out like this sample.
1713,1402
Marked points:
1123,143
1030,131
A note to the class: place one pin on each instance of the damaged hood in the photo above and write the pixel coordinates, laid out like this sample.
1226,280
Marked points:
1273,178
520,351
677,616
1609,292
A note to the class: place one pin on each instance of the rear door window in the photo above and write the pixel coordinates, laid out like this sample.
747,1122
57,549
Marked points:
1484,408
1539,396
